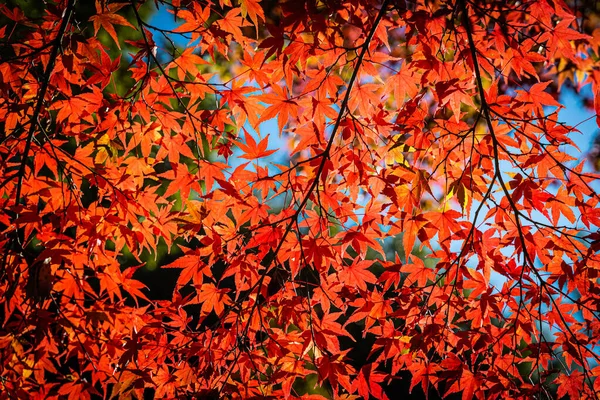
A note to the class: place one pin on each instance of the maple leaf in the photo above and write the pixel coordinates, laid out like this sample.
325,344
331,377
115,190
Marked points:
104,71
537,96
282,107
106,16
180,180
404,84
417,271
412,226
424,374
252,150
571,385
187,62
239,99
369,383
364,96
212,298
358,275
252,9
232,22
193,268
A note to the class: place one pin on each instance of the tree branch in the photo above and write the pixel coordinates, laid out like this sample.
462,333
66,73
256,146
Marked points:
41,94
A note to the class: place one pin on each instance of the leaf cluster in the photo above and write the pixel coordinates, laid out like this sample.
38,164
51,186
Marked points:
275,148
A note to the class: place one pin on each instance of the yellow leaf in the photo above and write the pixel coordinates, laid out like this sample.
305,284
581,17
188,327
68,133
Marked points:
464,199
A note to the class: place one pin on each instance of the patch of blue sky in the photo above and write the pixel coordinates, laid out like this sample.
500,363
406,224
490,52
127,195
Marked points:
579,117
166,21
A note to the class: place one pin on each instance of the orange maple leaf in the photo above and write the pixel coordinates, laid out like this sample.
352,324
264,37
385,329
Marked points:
253,150
106,17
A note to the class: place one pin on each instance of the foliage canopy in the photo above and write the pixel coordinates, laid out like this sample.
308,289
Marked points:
274,149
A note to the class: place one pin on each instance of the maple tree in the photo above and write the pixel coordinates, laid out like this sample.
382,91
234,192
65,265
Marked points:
275,148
